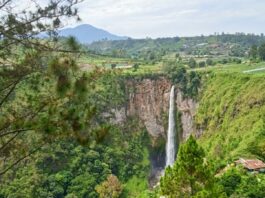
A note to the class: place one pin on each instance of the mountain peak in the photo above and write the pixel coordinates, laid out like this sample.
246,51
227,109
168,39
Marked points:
87,33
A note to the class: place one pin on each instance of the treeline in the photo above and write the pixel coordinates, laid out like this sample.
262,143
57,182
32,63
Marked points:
192,63
188,83
257,52
233,44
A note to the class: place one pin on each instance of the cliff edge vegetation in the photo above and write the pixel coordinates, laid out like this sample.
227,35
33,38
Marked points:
231,114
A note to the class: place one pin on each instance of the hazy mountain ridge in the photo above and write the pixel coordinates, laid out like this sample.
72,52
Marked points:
87,34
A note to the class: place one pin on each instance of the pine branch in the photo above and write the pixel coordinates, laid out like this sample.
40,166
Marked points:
14,131
9,93
4,3
21,159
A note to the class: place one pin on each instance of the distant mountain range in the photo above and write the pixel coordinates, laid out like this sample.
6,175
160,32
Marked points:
87,34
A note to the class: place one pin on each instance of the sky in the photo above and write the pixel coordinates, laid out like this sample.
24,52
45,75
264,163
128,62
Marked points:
167,18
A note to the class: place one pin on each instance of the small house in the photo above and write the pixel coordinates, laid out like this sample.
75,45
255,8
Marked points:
251,164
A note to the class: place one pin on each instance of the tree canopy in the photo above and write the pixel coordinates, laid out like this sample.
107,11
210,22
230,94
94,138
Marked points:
191,175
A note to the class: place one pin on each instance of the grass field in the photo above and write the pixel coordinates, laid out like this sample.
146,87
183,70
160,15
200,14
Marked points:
241,68
91,61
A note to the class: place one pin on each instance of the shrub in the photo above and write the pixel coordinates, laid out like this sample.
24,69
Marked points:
202,64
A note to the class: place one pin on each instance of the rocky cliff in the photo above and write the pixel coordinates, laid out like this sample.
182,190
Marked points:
148,100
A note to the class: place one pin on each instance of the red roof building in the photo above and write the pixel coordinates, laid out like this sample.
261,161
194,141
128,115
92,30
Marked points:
251,164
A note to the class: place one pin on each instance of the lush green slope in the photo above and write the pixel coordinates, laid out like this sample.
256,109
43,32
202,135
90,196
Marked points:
232,114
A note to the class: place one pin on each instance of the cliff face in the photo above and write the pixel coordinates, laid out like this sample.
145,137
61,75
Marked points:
148,99
187,107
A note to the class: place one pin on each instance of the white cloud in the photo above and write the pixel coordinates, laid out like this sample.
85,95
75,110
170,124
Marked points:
155,18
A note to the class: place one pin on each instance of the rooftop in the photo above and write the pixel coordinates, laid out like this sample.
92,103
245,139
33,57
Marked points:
251,164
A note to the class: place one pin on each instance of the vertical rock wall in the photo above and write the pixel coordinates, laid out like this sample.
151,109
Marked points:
148,99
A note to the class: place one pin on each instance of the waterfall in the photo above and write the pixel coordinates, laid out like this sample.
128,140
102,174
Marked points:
171,139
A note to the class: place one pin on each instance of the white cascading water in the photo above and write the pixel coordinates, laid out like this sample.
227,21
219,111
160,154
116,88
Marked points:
171,133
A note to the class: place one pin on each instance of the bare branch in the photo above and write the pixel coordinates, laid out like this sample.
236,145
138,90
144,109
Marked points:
4,3
9,141
9,93
14,85
14,131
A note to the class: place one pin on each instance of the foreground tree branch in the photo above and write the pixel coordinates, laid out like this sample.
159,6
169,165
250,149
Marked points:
20,159
24,59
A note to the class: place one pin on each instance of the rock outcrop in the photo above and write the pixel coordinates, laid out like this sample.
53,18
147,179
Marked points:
187,107
148,100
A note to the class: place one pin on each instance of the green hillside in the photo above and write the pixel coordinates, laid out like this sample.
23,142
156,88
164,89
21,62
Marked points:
232,114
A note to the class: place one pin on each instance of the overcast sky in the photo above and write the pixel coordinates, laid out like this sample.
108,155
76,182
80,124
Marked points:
166,18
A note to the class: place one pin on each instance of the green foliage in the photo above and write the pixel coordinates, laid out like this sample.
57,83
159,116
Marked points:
237,60
82,186
113,65
188,83
239,183
30,93
209,62
237,51
62,167
253,53
191,175
192,63
62,68
231,111
202,64
135,66
261,51
230,181
135,187
142,49
72,44
111,188
251,186
65,168
193,85
20,29
176,72
42,113
257,52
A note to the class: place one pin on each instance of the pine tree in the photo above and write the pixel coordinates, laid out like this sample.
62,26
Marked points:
253,53
190,176
261,51
28,103
192,63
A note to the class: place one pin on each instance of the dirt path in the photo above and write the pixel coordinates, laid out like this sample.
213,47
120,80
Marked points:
254,70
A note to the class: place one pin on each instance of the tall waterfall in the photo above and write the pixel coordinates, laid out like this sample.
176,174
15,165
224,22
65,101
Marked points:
171,133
